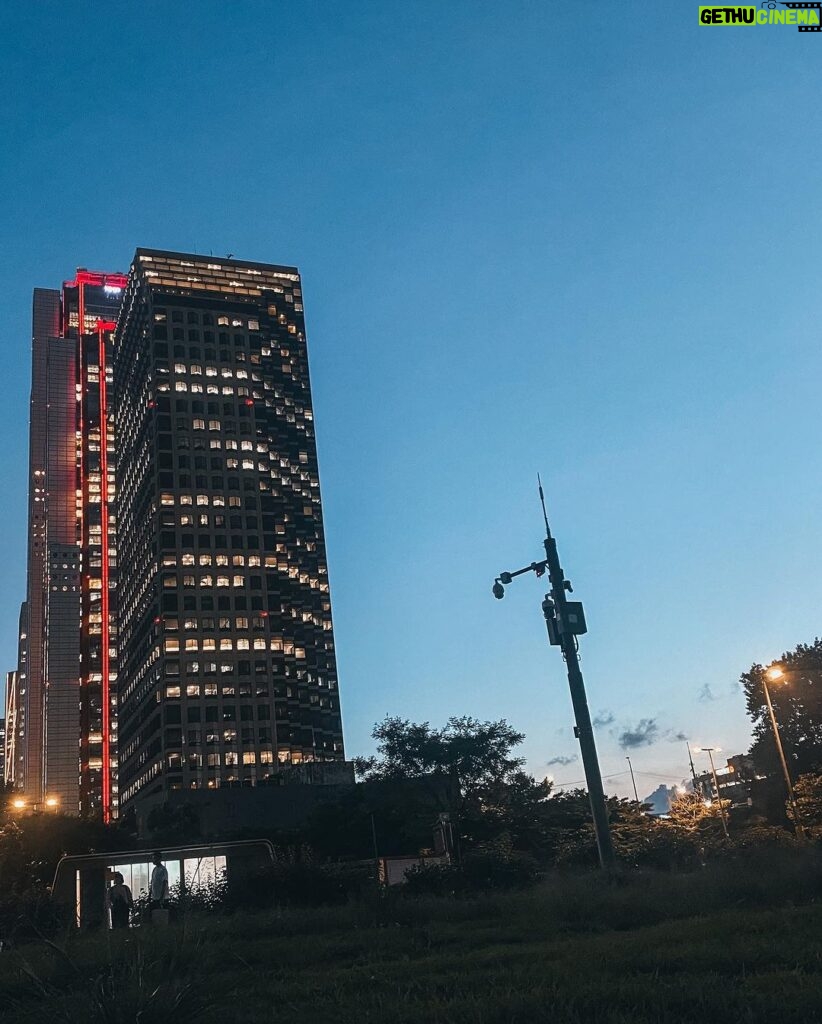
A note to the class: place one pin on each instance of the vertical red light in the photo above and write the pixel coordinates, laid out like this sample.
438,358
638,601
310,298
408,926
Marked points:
102,327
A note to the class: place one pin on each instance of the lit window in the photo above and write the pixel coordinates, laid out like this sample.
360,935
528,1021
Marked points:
239,581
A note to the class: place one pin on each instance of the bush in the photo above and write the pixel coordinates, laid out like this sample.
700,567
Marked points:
483,871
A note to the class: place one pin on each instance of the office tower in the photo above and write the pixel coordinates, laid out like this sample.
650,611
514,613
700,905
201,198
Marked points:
227,662
15,709
65,748
3,747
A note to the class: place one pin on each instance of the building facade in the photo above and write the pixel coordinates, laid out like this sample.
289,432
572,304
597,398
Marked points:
226,645
64,689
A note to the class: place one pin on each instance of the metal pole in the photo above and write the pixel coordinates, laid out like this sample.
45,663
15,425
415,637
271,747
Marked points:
691,762
709,751
376,852
800,831
584,728
633,780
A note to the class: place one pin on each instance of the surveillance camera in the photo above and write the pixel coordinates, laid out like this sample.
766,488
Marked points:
498,591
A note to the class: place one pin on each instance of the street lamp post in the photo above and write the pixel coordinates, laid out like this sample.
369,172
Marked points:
710,752
633,780
774,673
566,621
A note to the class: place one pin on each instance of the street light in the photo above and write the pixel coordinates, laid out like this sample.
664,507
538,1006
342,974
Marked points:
710,752
52,801
774,673
18,804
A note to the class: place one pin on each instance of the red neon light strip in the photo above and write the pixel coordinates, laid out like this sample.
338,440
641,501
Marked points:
96,277
102,327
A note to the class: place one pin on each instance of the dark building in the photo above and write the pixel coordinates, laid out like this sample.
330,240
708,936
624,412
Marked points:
227,662
63,695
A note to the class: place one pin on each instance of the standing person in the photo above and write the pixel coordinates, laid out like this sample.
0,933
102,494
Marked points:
158,887
120,902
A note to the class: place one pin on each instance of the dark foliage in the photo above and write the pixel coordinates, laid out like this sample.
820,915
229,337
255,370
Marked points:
797,703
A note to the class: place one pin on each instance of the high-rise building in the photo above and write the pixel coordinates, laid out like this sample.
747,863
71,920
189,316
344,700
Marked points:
65,736
16,686
226,646
2,748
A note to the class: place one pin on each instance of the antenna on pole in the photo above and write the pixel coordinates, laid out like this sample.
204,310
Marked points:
542,502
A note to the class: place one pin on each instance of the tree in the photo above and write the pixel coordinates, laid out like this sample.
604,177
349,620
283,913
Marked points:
492,799
474,754
808,795
797,704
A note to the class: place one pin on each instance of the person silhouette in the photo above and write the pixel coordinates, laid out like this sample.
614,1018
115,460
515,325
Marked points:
158,887
120,902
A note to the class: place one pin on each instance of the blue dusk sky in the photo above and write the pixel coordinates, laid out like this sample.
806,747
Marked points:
575,239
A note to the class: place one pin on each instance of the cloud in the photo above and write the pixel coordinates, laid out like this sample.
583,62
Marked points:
675,737
643,734
562,760
603,718
706,694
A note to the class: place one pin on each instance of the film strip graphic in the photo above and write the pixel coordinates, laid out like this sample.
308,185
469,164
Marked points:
817,6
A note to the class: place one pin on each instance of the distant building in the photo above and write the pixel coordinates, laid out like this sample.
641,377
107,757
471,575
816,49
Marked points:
62,697
3,748
735,779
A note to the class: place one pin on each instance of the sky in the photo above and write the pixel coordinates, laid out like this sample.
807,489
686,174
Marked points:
575,239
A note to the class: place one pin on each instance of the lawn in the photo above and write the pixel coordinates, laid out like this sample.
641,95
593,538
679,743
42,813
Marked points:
728,945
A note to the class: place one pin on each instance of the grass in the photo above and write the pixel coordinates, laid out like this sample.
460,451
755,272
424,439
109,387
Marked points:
731,944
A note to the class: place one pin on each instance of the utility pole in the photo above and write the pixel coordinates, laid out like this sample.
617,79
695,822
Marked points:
633,780
565,621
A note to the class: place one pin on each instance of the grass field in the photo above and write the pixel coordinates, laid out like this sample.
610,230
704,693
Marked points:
725,945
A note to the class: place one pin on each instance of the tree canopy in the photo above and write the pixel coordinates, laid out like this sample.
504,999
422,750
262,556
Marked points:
475,754
797,704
